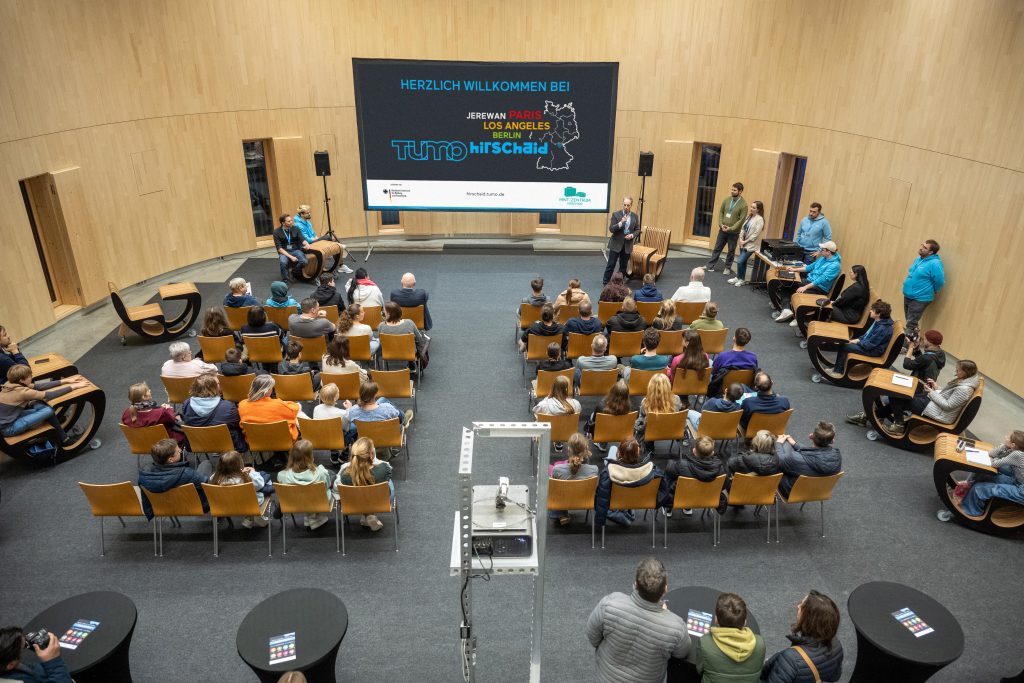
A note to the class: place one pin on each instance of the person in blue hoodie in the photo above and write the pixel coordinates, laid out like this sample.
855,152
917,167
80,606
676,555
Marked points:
925,278
813,230
238,297
821,274
205,408
649,291
874,342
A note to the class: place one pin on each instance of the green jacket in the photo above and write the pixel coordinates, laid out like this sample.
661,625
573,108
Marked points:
732,219
730,655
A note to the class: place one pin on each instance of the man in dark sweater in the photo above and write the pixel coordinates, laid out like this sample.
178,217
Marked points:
170,471
409,297
326,293
627,319
766,401
822,459
289,242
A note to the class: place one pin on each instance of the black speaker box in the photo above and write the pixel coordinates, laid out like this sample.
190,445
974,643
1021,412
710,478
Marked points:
322,162
646,167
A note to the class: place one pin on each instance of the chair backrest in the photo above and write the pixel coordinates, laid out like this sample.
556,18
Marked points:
567,312
571,494
859,368
713,340
562,426
313,348
359,347
331,313
268,436
398,347
232,500
970,411
719,426
643,497
294,387
580,344
671,343
235,387
613,428
347,382
528,314
182,501
751,489
384,433
697,494
263,349
648,310
325,435
597,382
837,286
364,500
214,347
744,377
545,378
279,316
810,489
537,346
178,388
303,498
776,423
215,439
415,314
393,383
665,426
117,301
142,439
606,309
688,382
237,316
689,310
624,344
639,379
372,316
113,500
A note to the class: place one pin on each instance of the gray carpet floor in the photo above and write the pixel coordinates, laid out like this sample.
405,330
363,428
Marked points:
403,607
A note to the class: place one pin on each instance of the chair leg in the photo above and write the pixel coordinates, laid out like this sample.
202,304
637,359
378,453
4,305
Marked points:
664,530
591,530
155,553
160,526
768,538
394,509
337,530
654,526
343,537
216,547
284,534
776,506
822,503
103,550
602,538
270,541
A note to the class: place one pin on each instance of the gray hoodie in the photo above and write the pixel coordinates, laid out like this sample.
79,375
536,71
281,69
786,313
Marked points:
945,404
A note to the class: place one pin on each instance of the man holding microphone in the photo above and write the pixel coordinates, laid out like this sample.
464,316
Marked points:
624,228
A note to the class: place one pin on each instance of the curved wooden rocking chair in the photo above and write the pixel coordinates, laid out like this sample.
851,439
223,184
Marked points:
149,320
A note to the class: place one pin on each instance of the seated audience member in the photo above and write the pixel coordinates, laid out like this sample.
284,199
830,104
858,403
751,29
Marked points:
9,353
143,411
925,360
727,403
848,306
169,471
659,399
310,321
238,297
182,364
695,291
231,471
766,401
649,291
326,292
23,402
337,362
875,340
586,323
262,408
616,289
215,324
558,401
574,467
350,324
814,633
537,296
256,325
1007,483
701,463
597,360
626,470
627,319
364,469
328,409
731,651
232,365
50,669
291,365
821,459
692,357
942,405
289,242
206,408
737,358
760,459
410,297
373,408
394,323
279,296
554,362
708,319
649,358
572,296
362,290
615,402
545,327
303,470
820,276
667,318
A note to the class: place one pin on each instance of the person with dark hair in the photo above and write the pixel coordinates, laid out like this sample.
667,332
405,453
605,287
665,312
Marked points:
708,319
821,459
50,669
232,365
731,215
766,401
537,296
326,292
737,358
635,635
730,652
206,408
750,237
849,305
256,325
812,231
728,402
545,327
289,242
874,342
291,365
627,319
373,408
350,324
215,324
336,360
701,463
624,229
168,471
310,321
410,297
649,291
692,357
554,362
575,466
614,402
586,323
627,467
362,290
143,411
394,323
648,358
9,353
279,296
821,275
615,289
925,278
815,654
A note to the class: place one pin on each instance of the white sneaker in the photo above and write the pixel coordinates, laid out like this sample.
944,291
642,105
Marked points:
315,521
792,323
784,316
740,283
247,522
372,522
687,511
732,280
261,522
345,269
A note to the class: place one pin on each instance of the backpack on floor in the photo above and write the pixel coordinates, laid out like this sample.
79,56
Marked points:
42,452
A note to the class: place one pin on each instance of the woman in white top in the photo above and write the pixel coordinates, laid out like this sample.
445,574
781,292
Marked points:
749,237
337,362
558,401
328,409
350,324
363,290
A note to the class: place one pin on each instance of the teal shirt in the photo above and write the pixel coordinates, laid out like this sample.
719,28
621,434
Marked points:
657,362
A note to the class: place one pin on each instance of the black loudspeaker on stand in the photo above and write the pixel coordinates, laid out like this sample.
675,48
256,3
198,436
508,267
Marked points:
322,165
644,169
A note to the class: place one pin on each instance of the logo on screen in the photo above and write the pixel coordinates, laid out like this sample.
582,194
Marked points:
570,195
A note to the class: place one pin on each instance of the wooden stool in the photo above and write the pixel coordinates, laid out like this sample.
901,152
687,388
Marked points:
149,320
322,256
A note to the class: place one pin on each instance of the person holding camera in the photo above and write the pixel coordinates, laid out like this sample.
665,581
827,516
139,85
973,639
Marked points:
51,668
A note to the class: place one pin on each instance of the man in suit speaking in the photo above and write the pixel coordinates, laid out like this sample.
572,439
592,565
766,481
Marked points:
624,228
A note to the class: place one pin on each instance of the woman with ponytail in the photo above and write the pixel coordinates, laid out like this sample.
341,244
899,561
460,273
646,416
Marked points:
575,467
363,290
572,296
364,469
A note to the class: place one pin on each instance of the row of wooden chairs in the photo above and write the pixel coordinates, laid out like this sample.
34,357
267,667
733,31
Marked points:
372,315
124,500
598,382
688,311
393,347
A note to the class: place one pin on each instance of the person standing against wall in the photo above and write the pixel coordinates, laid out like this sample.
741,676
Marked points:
925,278
731,216
814,229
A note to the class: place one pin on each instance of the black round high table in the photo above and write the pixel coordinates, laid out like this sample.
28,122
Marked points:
319,621
888,650
103,654
680,601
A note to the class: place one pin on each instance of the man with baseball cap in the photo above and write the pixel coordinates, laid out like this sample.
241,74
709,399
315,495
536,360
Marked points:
821,273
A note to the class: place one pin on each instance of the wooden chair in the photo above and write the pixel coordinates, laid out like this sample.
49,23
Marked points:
81,408
613,428
400,347
671,343
142,439
775,423
542,385
236,387
386,434
268,437
650,253
332,314
744,377
279,316
717,426
325,435
1001,517
374,499
562,426
394,384
639,379
567,312
528,314
669,427
713,340
263,349
112,500
625,344
689,310
813,490
693,494
149,320
858,366
606,309
691,382
580,345
178,388
215,347
644,497
597,382
236,500
359,348
348,384
372,316
306,499
214,440
537,348
182,501
750,489
415,314
294,387
313,348
573,494
648,310
237,316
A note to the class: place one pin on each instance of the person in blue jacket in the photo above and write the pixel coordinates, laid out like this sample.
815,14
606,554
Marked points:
874,342
50,669
821,274
925,278
813,230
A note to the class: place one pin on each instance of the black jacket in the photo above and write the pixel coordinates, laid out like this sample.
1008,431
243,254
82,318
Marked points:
538,328
925,365
626,322
787,666
701,470
411,298
163,478
328,295
849,306
750,462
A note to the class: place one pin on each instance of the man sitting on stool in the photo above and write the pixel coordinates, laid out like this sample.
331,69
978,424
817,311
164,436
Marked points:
304,223
820,276
289,243
874,342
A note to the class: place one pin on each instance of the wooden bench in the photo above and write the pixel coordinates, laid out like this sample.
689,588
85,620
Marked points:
1000,516
70,408
149,320
649,255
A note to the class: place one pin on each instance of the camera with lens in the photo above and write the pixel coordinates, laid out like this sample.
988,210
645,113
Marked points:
40,638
